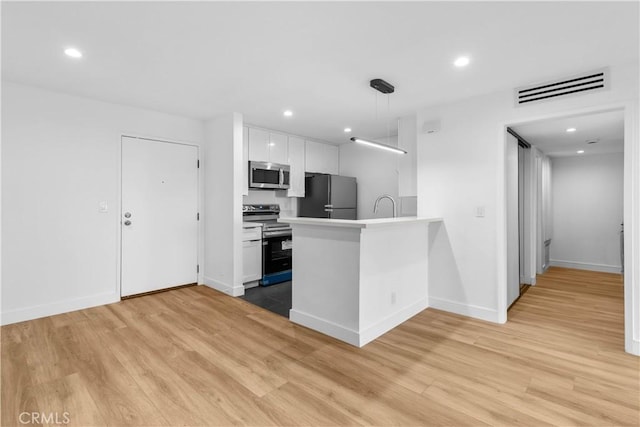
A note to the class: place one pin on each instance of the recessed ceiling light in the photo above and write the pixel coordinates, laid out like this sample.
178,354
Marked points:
571,129
462,61
347,130
288,113
580,151
73,52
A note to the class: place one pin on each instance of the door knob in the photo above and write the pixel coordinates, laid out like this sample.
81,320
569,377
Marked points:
127,223
127,214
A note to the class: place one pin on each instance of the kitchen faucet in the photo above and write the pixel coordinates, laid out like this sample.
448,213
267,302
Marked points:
385,196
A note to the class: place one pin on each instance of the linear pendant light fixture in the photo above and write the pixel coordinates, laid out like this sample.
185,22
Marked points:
378,145
385,88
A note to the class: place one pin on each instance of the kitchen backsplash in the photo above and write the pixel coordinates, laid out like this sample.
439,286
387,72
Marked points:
288,205
408,206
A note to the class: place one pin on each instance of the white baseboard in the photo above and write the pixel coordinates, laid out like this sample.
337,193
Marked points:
528,281
586,266
475,311
44,310
234,291
354,337
633,347
390,322
326,327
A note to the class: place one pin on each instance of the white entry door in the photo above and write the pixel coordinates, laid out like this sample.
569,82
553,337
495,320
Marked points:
159,215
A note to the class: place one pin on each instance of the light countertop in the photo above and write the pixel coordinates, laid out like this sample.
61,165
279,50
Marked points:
359,223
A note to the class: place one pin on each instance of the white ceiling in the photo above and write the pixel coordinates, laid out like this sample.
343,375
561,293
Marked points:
552,138
201,59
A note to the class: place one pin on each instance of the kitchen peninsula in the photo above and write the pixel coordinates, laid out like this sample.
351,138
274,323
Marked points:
354,280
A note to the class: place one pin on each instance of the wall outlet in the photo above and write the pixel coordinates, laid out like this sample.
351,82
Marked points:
103,207
480,211
393,297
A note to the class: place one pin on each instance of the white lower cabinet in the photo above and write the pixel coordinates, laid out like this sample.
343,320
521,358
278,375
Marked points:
251,255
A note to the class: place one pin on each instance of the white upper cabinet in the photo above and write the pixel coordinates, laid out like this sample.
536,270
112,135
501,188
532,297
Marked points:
333,159
258,145
245,161
313,156
297,164
265,146
262,145
278,148
321,158
407,167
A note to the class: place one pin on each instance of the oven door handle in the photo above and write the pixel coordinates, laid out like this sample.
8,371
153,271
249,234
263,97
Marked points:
268,234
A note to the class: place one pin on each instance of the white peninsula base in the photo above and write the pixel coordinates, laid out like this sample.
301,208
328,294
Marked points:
354,280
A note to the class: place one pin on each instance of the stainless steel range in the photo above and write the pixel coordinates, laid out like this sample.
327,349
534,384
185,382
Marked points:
276,242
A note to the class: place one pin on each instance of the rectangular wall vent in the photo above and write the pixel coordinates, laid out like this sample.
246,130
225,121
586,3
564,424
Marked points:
594,81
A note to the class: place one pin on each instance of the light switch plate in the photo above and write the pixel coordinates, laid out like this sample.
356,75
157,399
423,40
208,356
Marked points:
103,207
480,211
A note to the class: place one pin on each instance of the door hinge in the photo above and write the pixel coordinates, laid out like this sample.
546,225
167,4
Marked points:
198,268
198,216
198,164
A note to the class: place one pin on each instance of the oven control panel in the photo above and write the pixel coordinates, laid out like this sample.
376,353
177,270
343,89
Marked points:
261,208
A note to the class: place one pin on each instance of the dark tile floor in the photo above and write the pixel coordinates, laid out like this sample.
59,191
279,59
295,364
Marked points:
275,298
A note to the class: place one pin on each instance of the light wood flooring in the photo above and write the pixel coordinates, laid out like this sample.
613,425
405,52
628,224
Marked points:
194,356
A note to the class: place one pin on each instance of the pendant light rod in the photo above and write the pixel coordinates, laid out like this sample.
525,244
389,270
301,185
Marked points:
385,88
378,145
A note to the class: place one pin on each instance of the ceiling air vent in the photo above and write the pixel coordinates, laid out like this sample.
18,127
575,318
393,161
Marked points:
575,85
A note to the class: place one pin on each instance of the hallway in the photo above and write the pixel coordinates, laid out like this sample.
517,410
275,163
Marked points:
575,305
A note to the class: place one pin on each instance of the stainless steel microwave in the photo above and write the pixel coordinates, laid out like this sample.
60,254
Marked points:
268,175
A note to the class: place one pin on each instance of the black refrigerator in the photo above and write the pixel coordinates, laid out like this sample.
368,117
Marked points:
328,196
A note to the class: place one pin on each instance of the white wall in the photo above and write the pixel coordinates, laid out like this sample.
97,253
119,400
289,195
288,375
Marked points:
587,211
60,158
407,140
376,172
463,166
223,204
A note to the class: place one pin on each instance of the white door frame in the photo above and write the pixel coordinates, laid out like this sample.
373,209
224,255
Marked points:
631,213
199,249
